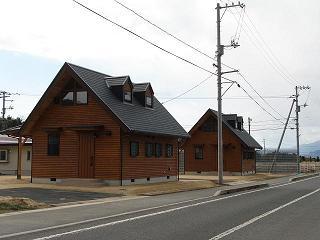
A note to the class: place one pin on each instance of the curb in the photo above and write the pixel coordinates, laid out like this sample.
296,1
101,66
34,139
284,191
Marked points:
303,177
240,189
158,193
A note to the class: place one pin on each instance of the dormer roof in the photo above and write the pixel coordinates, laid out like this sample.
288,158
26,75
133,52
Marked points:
141,87
117,81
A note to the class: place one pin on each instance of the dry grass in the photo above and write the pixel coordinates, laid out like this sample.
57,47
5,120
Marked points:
9,204
165,187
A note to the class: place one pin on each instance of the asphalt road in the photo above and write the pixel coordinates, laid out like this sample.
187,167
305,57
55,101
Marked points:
52,196
285,211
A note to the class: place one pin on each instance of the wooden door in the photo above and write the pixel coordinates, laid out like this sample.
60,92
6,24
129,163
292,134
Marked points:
86,155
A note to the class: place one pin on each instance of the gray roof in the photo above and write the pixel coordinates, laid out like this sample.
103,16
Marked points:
5,140
134,116
115,81
140,87
244,136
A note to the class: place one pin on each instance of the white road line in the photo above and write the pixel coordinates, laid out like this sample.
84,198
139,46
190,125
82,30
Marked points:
159,213
232,230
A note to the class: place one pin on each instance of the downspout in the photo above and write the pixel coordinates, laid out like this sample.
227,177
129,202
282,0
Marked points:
121,158
241,160
178,172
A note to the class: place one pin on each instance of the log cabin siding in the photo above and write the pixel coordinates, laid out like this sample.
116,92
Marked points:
232,152
144,167
107,151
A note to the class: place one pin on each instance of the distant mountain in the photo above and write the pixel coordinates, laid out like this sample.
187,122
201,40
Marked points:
311,149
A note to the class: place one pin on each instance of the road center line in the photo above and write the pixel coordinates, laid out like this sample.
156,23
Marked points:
155,213
232,230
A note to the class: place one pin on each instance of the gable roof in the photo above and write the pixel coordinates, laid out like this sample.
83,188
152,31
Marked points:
243,135
134,117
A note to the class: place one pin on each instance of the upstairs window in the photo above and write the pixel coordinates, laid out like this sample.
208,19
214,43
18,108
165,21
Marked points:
3,155
81,97
53,144
73,94
198,152
158,150
149,101
127,96
134,149
67,99
169,150
149,149
209,126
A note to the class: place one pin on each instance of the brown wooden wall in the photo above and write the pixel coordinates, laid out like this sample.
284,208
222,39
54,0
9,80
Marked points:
107,148
142,166
232,151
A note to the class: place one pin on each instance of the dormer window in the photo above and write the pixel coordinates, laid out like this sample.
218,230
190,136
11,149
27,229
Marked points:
127,96
149,101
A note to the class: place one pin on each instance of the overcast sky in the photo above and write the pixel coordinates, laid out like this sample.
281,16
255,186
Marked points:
38,36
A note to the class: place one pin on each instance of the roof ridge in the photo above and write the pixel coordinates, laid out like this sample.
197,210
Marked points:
71,64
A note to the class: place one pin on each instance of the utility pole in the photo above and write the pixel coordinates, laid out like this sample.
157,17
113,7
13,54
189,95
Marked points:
297,122
219,53
297,130
264,146
283,132
4,95
249,122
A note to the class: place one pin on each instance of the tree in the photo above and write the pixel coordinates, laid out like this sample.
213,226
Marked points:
10,122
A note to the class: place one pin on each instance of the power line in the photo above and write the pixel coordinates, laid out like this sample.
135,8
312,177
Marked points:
164,31
197,85
144,39
260,105
270,50
259,95
169,34
232,97
265,54
270,129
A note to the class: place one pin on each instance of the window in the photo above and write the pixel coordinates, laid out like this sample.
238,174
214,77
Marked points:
82,97
68,98
149,149
28,155
3,155
210,125
158,150
148,101
53,144
248,155
127,96
134,149
198,152
169,150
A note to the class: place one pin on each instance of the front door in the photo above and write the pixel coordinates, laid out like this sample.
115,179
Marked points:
86,155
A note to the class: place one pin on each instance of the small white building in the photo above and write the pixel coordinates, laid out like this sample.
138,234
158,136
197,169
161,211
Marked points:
9,156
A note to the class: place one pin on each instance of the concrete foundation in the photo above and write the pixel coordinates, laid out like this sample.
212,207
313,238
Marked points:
79,181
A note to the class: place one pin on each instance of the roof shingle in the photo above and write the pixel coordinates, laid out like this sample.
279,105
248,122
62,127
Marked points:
135,116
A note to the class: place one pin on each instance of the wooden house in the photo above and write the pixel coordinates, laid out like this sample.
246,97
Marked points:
90,125
200,150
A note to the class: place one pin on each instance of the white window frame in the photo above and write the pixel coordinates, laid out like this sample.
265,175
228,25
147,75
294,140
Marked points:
6,151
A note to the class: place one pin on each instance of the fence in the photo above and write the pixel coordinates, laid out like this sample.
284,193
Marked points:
306,167
285,163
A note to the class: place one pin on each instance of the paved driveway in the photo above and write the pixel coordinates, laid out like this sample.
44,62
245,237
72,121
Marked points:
51,196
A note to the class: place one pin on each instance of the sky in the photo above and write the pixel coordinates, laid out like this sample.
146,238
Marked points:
278,50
